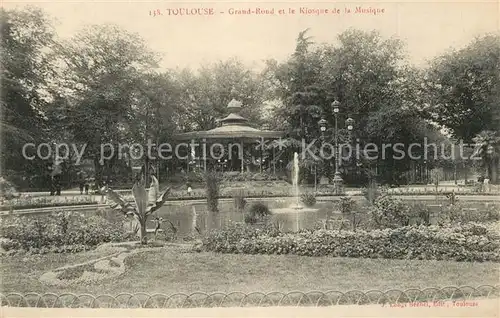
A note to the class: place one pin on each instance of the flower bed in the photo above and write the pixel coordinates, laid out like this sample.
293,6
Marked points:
432,191
46,202
44,205
250,176
469,242
61,232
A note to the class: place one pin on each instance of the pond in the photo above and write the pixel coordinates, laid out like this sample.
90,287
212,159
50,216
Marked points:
186,217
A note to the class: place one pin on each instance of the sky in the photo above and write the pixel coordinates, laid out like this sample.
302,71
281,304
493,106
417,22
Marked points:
428,28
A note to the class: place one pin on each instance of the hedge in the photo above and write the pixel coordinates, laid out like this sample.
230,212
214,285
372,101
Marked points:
469,242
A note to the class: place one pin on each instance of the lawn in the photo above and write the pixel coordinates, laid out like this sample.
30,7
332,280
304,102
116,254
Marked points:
169,270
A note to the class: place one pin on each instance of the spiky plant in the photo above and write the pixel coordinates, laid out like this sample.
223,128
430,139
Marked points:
146,202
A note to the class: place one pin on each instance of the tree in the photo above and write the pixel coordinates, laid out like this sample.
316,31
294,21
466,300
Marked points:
295,83
375,86
27,38
103,69
463,88
153,114
206,94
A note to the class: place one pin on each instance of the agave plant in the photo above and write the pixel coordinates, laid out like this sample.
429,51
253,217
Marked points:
146,202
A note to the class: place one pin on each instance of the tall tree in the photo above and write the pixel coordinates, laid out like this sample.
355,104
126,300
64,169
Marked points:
370,78
296,84
26,39
153,120
103,65
463,88
206,94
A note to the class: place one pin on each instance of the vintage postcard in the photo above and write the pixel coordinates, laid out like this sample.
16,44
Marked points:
258,158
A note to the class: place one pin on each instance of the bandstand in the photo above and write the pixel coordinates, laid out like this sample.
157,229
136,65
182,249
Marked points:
233,146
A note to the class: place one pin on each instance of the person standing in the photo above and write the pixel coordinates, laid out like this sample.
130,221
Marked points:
57,173
480,181
55,178
81,180
486,185
86,184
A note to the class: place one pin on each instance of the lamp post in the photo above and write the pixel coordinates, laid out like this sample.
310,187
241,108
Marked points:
337,179
349,123
454,159
322,127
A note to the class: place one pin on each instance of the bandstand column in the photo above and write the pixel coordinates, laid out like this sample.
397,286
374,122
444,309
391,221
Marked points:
204,154
274,161
242,153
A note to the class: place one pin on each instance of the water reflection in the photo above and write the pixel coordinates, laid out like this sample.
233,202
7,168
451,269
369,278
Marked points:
194,218
197,215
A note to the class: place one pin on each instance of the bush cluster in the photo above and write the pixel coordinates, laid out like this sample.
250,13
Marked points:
61,232
390,212
258,211
249,176
458,213
470,242
308,199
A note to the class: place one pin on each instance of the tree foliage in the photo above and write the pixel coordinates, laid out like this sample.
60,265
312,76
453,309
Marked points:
204,95
103,86
26,40
463,88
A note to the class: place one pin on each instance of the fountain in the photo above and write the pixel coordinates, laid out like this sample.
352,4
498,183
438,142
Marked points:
296,205
295,181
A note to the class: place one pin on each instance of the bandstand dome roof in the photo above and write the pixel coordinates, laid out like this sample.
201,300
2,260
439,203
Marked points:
233,126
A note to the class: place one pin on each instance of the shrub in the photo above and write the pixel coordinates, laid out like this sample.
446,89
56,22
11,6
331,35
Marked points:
250,218
389,212
308,199
234,176
458,213
346,205
259,209
470,242
421,213
61,230
350,216
492,212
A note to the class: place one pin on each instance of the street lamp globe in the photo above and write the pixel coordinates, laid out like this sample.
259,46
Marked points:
335,106
349,123
322,124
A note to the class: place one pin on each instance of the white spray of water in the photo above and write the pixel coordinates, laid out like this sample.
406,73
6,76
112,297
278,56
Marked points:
195,219
295,178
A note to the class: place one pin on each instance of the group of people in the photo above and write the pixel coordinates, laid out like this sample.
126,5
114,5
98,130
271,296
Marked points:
83,182
484,184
